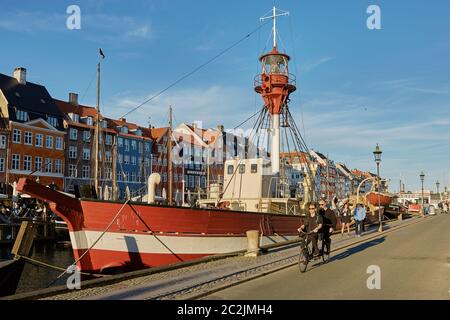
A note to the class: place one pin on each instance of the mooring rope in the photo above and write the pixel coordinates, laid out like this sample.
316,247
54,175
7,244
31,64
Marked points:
95,242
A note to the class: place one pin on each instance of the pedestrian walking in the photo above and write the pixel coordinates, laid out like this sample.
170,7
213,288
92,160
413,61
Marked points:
359,215
346,217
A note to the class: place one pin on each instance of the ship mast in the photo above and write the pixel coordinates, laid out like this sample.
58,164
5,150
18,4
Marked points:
97,129
169,157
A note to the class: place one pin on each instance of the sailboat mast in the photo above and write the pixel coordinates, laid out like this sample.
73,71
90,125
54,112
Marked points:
97,130
169,157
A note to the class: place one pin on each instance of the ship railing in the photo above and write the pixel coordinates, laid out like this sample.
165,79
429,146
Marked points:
291,79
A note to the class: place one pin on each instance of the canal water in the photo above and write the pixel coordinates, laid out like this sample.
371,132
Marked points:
34,277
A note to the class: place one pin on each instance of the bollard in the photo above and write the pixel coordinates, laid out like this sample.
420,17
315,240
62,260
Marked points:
253,249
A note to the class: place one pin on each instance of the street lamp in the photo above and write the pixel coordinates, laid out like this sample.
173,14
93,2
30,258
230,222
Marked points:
422,177
377,155
437,187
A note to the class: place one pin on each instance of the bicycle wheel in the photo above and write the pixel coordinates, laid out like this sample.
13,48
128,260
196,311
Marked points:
303,261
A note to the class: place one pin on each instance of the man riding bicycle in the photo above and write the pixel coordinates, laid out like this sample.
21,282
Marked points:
329,222
312,224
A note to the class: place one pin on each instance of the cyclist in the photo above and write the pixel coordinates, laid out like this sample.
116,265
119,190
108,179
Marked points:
329,222
312,224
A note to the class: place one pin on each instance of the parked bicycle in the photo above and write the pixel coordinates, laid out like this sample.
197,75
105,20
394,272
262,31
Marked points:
306,251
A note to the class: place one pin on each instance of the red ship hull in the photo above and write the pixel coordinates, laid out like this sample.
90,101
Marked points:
135,236
385,199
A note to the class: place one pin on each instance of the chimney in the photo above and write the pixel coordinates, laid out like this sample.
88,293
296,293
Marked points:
220,128
123,119
20,74
73,98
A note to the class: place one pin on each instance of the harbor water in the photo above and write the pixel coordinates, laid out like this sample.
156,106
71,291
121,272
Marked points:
37,277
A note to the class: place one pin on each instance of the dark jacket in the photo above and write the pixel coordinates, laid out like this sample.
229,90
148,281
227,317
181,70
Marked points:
328,217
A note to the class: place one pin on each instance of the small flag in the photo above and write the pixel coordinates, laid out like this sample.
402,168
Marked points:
101,53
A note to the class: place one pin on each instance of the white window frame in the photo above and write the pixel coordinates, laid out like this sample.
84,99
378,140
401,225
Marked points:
15,159
17,133
2,141
59,144
73,134
27,162
38,164
86,154
49,142
41,140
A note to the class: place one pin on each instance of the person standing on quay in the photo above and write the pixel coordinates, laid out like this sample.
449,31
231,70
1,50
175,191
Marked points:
360,215
346,215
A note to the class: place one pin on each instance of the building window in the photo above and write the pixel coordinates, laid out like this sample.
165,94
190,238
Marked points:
124,129
27,163
2,164
28,138
147,146
86,154
191,181
89,121
127,145
17,136
72,170
133,160
22,115
133,144
254,168
39,140
120,158
75,117
86,172
48,166
127,176
59,143
203,182
16,162
58,166
49,142
73,134
2,141
120,142
126,160
147,162
133,176
141,147
52,121
38,164
72,152
230,169
108,140
104,124
86,136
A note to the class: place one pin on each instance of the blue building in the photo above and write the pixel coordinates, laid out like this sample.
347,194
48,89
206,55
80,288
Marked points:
134,158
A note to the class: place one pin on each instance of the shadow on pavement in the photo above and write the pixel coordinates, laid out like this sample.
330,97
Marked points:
358,248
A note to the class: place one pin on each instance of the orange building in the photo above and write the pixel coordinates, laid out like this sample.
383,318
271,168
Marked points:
37,148
36,131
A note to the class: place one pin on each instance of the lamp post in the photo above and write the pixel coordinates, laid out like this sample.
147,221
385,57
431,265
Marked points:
377,155
437,187
422,177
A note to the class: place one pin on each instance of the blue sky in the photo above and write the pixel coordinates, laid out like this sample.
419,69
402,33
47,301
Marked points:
356,87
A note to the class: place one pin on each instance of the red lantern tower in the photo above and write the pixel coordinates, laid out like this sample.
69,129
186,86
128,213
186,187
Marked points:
275,84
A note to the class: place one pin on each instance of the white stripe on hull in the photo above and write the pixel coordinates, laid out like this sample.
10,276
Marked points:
148,243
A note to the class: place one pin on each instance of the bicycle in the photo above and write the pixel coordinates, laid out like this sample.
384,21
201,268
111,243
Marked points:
306,252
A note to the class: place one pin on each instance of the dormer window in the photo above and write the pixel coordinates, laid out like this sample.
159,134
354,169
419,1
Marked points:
22,115
89,121
52,121
75,117
104,124
139,132
124,129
